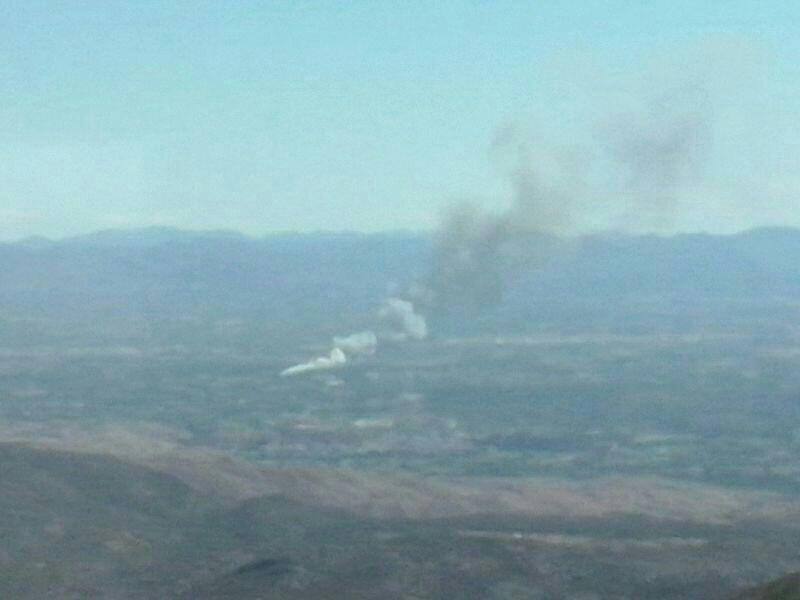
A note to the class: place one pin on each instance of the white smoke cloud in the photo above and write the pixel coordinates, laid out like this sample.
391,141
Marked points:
652,154
404,324
361,343
334,360
364,342
405,321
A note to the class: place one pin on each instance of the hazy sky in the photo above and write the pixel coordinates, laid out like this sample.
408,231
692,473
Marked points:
274,116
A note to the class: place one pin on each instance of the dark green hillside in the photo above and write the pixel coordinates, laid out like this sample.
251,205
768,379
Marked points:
91,526
785,588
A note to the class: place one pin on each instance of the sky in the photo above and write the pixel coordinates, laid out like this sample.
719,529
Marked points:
371,116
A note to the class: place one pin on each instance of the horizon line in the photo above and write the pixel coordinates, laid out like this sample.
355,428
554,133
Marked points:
134,231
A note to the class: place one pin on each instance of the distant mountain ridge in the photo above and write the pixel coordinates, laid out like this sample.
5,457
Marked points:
149,236
164,271
157,234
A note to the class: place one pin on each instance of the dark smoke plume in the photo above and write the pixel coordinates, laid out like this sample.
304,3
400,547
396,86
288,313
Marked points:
476,251
655,154
660,151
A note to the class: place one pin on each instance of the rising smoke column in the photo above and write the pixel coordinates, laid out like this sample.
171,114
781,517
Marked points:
655,152
364,342
403,324
404,321
475,250
660,150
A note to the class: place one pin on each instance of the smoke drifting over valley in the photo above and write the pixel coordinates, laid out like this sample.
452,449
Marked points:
477,300
401,321
404,322
356,344
363,342
653,155
660,151
335,359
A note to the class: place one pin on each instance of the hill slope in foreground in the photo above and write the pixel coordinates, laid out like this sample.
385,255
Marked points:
118,515
785,588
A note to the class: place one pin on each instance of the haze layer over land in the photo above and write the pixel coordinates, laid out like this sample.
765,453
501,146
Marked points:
624,431
376,300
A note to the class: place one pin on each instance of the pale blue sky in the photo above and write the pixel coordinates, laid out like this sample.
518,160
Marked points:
268,116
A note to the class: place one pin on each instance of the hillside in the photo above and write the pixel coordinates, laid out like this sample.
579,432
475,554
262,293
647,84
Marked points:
173,522
785,588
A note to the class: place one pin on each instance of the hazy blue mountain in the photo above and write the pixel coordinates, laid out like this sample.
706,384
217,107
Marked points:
168,272
148,236
161,271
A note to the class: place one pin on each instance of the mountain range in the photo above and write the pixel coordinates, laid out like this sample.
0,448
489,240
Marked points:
302,277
